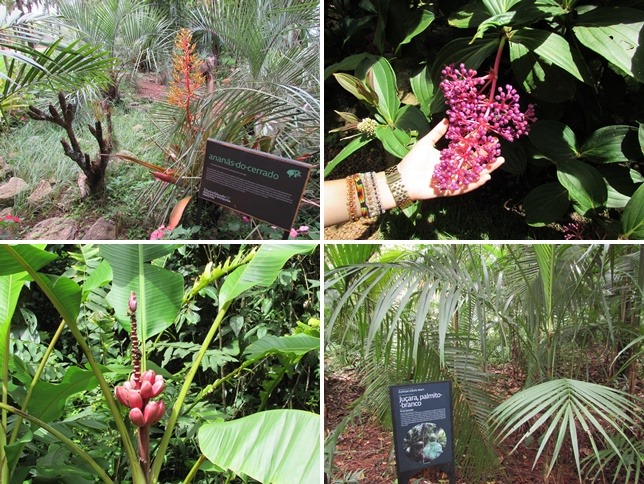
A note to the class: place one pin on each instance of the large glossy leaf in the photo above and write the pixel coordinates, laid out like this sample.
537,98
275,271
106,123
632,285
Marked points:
296,344
410,118
262,270
546,204
612,144
539,77
633,216
277,446
32,255
621,182
557,407
423,89
417,23
469,15
585,185
394,140
551,47
158,290
498,7
48,399
10,287
555,140
381,78
615,34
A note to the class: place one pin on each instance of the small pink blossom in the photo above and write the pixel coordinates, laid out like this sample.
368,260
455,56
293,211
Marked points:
10,218
293,233
160,233
303,229
246,219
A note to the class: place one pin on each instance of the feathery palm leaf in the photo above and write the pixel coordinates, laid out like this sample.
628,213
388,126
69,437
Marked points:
556,408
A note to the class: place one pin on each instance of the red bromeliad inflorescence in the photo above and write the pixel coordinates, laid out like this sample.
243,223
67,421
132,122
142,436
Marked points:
136,394
478,115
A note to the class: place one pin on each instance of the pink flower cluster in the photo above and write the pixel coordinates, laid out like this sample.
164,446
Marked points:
476,121
10,218
159,233
136,394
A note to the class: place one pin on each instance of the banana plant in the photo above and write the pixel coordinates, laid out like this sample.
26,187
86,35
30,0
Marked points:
160,295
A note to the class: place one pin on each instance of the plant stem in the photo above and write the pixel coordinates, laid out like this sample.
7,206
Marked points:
144,449
495,69
176,408
195,469
73,446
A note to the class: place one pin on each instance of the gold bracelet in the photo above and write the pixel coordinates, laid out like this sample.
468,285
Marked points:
398,189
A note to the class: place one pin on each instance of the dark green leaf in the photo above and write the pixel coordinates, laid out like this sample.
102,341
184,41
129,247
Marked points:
546,204
423,89
614,33
633,216
394,140
48,399
552,47
410,118
354,145
381,79
621,182
539,77
262,270
498,7
418,23
348,64
469,15
585,185
612,144
516,160
554,139
33,255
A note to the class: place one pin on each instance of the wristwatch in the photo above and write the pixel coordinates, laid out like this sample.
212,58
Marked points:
398,190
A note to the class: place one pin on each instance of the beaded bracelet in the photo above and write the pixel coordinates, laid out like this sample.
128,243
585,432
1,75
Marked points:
375,208
362,197
351,204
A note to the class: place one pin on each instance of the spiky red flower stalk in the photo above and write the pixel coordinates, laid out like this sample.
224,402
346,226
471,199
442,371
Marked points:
479,114
186,78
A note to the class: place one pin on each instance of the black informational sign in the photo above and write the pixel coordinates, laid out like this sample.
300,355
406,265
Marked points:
423,434
255,183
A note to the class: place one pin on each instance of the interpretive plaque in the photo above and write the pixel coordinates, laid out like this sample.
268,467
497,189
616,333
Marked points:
422,421
252,182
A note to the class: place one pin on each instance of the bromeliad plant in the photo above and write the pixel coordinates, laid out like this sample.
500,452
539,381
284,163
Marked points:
160,298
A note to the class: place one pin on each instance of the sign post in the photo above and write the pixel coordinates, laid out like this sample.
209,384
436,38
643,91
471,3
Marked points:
252,182
423,430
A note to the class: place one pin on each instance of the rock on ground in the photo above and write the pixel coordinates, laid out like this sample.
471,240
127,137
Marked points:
10,189
40,194
56,228
102,229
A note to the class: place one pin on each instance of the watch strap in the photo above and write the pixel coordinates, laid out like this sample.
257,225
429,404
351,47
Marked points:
397,187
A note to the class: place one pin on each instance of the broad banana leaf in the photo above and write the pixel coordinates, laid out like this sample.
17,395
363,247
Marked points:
276,446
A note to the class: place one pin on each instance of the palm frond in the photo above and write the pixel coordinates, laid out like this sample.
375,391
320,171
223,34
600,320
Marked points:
557,407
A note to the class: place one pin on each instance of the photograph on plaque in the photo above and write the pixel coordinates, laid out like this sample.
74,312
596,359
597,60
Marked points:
422,424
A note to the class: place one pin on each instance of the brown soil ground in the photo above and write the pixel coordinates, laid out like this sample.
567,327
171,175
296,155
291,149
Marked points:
365,448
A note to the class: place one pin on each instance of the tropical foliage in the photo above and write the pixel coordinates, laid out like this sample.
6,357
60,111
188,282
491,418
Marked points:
581,163
234,331
428,313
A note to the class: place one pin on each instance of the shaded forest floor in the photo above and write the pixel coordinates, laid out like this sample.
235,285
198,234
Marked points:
364,452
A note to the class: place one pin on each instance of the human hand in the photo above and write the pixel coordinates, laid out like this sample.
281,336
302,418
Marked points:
417,167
